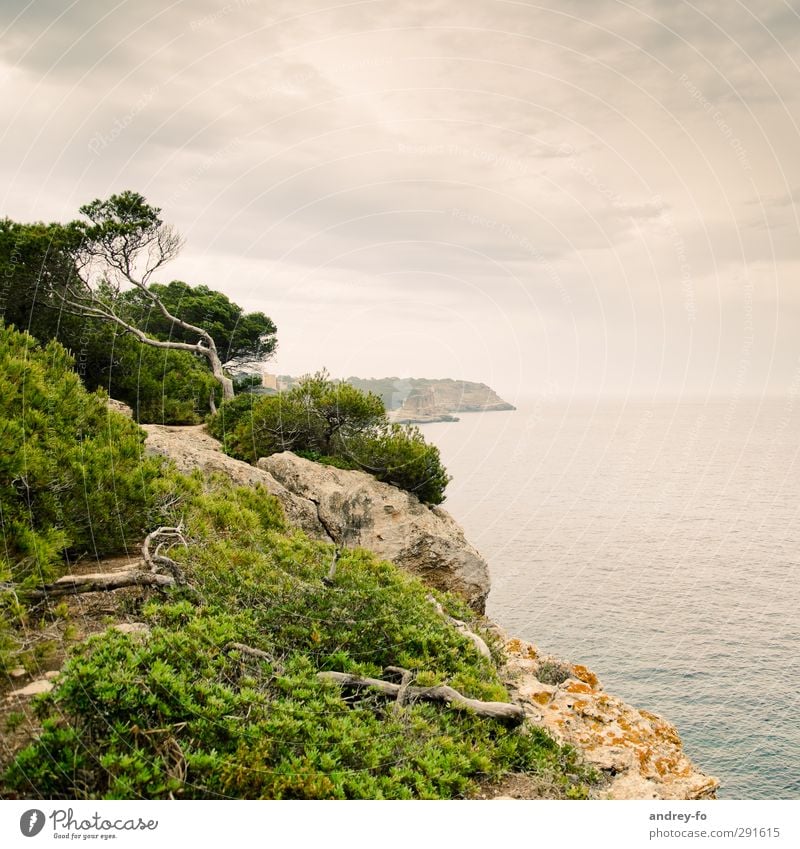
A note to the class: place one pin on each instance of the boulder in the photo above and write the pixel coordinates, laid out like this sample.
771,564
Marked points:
357,510
640,753
191,447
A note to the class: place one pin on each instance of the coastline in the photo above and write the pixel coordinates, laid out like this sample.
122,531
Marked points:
639,753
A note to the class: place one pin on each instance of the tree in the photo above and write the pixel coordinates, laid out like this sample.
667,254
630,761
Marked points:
318,415
36,262
72,475
125,243
240,337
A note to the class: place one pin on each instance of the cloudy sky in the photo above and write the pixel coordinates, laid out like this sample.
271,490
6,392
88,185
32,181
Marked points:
582,196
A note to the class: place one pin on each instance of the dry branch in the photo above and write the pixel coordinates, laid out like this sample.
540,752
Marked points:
331,576
462,627
406,677
155,559
100,582
503,711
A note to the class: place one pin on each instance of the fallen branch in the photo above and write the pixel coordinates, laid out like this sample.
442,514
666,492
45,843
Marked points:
462,627
77,584
329,578
406,677
155,559
513,714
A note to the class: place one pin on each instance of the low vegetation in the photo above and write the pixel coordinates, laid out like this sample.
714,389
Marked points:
335,423
220,695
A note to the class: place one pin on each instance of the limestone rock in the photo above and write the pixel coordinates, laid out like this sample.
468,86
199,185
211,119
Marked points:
641,753
359,511
120,407
190,448
41,685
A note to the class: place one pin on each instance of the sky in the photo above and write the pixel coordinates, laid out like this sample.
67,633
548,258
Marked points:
583,197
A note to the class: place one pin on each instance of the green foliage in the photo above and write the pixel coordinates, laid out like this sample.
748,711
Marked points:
39,264
162,386
36,262
224,422
337,424
400,455
553,673
182,714
239,336
72,475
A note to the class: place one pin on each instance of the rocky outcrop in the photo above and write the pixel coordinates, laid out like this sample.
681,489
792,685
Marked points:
436,400
190,448
349,508
640,753
357,510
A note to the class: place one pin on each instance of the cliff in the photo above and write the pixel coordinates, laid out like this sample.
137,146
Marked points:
639,754
421,399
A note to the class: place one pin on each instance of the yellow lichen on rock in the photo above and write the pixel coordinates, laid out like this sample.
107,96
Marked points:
640,752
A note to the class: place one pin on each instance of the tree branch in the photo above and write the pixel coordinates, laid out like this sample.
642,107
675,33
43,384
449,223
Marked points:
502,711
77,584
462,627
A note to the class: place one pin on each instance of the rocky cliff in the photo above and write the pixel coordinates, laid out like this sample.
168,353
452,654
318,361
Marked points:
436,400
351,509
421,399
639,753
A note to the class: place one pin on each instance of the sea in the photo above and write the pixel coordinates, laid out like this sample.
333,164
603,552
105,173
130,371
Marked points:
658,543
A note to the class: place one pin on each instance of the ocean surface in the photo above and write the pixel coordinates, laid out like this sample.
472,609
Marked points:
659,544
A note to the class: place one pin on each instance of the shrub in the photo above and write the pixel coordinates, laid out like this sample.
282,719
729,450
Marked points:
224,422
400,455
160,386
72,475
552,672
175,714
336,424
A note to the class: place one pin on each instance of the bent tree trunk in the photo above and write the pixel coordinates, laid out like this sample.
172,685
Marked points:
210,353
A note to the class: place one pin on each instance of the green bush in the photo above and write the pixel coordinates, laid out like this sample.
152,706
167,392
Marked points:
400,455
222,424
72,475
336,424
181,713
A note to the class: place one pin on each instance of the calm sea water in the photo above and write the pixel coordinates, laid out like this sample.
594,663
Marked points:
658,543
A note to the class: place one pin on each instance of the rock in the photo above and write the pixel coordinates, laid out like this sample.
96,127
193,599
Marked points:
191,447
359,511
41,685
132,628
436,400
641,753
119,407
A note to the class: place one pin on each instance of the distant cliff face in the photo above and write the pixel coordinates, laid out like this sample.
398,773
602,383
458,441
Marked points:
434,398
421,398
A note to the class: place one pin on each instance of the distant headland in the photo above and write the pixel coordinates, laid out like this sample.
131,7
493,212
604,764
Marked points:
415,400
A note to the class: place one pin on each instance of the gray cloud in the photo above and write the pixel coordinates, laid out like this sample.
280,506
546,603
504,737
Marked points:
482,188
